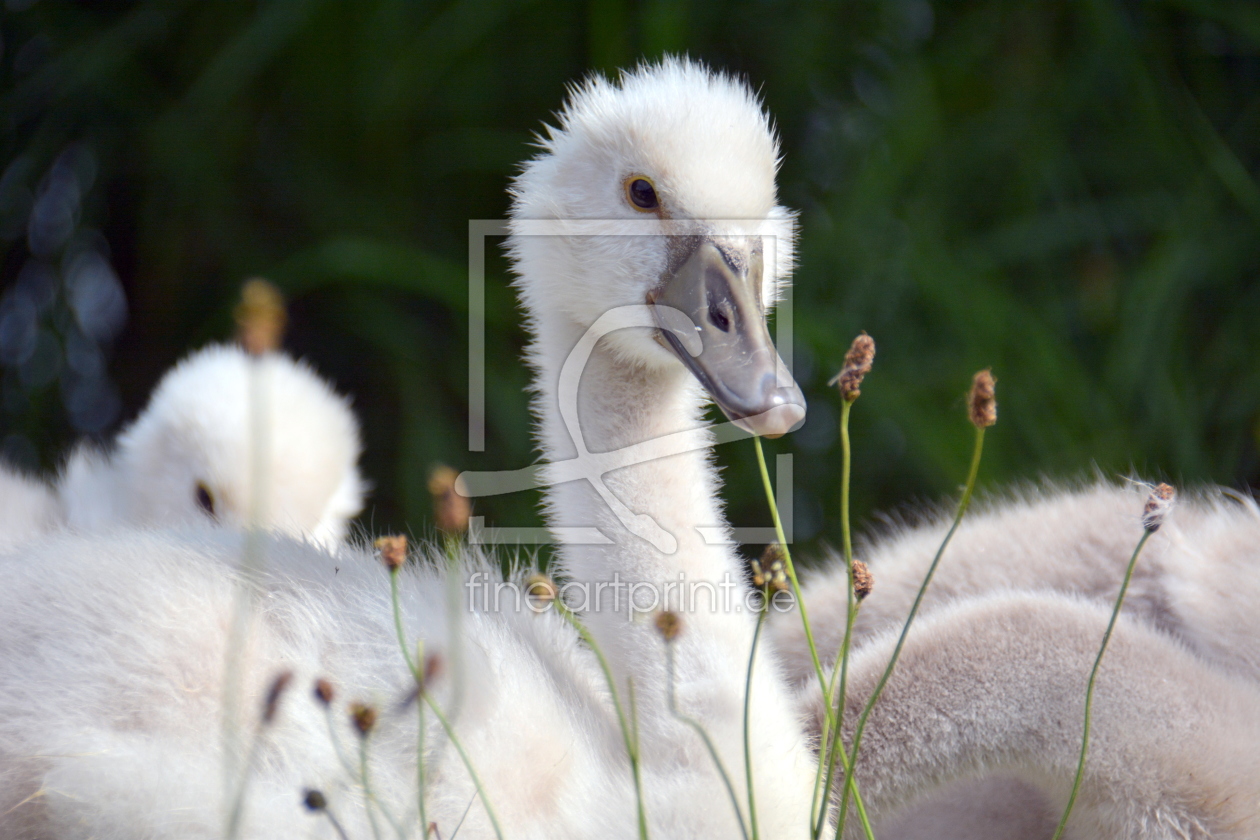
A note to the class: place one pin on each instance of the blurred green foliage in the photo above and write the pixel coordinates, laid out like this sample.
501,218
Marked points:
1064,191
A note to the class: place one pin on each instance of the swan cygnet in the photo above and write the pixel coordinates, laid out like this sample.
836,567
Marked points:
113,646
997,685
113,651
189,457
1198,577
28,507
649,244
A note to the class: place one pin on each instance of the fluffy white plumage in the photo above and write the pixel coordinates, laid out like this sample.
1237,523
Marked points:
28,507
705,143
1198,578
996,684
112,659
1190,610
231,437
111,673
113,648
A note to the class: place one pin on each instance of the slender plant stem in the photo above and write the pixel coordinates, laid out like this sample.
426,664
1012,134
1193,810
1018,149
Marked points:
336,824
787,561
704,736
367,787
336,742
632,749
398,626
963,503
238,800
748,768
841,668
459,824
634,714
414,666
1093,675
424,818
472,772
809,633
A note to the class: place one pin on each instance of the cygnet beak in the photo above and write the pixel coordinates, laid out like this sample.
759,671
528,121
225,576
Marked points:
709,313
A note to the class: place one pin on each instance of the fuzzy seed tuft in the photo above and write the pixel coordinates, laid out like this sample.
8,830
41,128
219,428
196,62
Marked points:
451,509
324,691
540,589
981,404
274,693
863,580
393,551
1157,506
857,363
669,624
363,717
314,800
260,317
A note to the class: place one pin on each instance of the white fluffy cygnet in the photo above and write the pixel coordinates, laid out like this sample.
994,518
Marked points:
28,507
1196,586
996,685
1198,577
231,438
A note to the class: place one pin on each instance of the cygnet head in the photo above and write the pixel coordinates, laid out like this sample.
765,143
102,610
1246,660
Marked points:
659,189
191,455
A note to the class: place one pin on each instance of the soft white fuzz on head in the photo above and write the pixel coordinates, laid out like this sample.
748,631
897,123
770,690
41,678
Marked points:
231,438
701,138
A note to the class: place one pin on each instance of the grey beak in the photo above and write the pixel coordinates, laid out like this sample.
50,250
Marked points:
709,313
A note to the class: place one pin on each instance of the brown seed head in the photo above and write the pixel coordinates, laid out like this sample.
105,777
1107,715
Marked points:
772,569
540,589
324,691
857,363
260,317
451,509
314,800
758,574
274,692
863,580
669,624
434,665
363,717
981,405
393,551
1157,506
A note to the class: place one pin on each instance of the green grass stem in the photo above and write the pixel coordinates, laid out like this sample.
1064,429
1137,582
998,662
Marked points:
472,771
632,747
964,502
748,768
1093,675
835,699
704,736
809,633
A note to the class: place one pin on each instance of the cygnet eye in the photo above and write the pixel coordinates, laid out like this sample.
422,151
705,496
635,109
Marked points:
205,499
641,193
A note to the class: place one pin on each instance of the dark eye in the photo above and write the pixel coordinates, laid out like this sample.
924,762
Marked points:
641,194
205,499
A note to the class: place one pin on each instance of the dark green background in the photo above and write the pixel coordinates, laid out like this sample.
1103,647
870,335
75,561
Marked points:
1064,191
